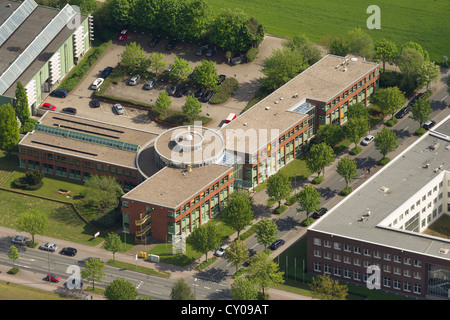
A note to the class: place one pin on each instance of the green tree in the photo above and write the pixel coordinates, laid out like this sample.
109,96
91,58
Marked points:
358,110
205,238
318,157
112,243
410,62
238,212
146,14
418,48
266,232
181,291
281,66
421,111
134,59
331,134
346,168
121,12
205,74
390,100
308,200
33,222
429,72
120,289
180,69
157,62
103,192
237,253
94,270
244,288
338,46
13,254
21,104
325,288
360,42
194,20
264,272
355,129
163,102
385,51
278,187
305,47
192,107
386,141
9,129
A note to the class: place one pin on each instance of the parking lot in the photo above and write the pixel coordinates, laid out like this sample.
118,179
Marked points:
246,74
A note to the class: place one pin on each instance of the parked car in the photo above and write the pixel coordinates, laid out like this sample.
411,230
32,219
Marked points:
69,110
319,213
276,244
230,117
48,106
221,251
118,108
123,35
222,78
199,92
95,103
134,80
402,112
238,59
150,83
97,83
52,277
172,43
200,51
68,251
106,72
368,139
19,240
211,51
49,247
172,89
429,124
207,96
181,91
60,93
414,100
155,41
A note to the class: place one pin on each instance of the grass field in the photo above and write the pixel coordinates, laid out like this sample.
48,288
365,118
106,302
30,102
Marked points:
423,21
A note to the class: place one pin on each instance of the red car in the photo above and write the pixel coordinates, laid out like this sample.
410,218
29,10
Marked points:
123,35
48,106
52,278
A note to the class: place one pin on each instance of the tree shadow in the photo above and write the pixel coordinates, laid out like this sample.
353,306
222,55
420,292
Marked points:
287,223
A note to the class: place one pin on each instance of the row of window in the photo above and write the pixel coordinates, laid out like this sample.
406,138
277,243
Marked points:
366,277
367,252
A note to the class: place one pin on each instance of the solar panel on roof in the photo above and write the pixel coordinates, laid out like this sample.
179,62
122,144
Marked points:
32,51
16,19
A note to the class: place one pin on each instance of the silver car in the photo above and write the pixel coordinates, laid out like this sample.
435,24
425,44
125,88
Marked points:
367,140
134,80
118,108
19,240
49,247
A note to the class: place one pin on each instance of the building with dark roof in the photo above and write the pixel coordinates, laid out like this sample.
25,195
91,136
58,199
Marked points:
38,47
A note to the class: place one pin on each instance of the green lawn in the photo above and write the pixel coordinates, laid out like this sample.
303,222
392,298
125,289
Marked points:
423,21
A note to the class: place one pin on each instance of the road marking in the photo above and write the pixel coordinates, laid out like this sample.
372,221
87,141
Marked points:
444,98
207,288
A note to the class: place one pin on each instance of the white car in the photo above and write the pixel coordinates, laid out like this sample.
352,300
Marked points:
19,240
221,251
97,83
134,80
49,247
367,140
118,108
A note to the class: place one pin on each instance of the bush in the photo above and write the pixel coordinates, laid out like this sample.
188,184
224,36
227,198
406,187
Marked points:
13,270
251,54
384,161
346,191
317,180
280,209
31,181
224,91
28,126
420,131
291,200
391,122
307,222
355,150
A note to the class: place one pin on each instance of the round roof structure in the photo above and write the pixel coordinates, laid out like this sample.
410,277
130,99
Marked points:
189,146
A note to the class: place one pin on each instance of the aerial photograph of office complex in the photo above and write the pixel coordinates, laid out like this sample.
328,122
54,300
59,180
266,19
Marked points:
224,150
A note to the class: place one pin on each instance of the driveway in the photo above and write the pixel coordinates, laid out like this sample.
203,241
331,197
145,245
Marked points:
246,74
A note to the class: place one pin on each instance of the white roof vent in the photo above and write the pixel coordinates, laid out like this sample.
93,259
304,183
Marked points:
354,59
267,108
443,250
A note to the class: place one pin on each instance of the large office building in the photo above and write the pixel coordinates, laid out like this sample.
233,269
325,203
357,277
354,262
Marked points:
179,179
378,235
38,47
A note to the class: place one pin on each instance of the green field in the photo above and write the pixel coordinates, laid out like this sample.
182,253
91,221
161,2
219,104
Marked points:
423,21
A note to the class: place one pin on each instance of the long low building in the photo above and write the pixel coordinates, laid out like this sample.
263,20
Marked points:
377,237
38,47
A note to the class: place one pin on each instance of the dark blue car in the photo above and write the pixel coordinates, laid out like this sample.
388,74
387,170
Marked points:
60,93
